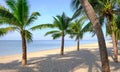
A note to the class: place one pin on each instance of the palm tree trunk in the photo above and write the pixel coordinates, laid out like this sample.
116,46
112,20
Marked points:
24,50
78,42
62,44
115,47
96,25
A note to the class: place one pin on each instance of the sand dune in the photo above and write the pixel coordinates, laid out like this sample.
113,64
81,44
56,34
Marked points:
85,60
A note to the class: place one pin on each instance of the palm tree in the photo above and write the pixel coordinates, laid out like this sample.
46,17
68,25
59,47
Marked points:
62,23
107,10
18,17
77,30
97,28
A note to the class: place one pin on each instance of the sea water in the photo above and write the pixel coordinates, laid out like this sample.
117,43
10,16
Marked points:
10,47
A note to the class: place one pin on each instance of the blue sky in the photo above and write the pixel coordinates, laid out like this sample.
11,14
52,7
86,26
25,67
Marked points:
47,9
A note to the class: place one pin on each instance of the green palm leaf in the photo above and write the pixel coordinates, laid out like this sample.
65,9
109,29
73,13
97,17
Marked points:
32,18
52,32
56,35
5,30
42,26
7,17
11,4
22,11
28,36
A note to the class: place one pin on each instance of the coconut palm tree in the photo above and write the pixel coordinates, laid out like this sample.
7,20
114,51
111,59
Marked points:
61,23
107,10
97,28
18,17
77,29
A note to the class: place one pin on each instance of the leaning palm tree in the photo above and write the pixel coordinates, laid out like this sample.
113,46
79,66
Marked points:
62,24
18,17
97,28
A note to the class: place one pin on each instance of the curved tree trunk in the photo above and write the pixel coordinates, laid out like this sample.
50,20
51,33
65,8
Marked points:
78,42
24,50
115,47
96,25
62,44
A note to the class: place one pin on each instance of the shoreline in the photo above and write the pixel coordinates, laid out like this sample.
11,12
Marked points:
85,60
51,48
93,45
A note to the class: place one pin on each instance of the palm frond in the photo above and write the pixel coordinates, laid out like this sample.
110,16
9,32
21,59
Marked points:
88,28
28,36
8,21
11,4
5,30
32,18
75,4
52,32
7,17
42,26
62,22
58,22
22,11
56,35
78,13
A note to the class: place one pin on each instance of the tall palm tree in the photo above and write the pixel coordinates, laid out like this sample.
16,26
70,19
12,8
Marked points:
18,17
96,25
106,11
109,12
62,23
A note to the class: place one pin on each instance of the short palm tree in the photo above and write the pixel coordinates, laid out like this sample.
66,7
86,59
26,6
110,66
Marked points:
88,9
17,16
77,29
61,23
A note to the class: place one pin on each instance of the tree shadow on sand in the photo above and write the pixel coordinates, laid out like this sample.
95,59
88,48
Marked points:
14,66
115,67
70,62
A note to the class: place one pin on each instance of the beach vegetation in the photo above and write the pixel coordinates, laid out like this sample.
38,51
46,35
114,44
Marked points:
92,16
18,19
78,28
60,27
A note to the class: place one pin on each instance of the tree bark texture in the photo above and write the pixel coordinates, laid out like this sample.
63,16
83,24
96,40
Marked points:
96,25
24,49
62,44
114,46
78,42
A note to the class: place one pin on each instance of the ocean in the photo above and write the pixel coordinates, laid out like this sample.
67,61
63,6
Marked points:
11,47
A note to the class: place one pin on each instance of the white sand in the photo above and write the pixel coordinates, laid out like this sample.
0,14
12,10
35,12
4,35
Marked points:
85,60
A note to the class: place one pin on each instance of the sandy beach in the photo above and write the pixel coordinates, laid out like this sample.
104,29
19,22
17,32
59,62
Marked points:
85,60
